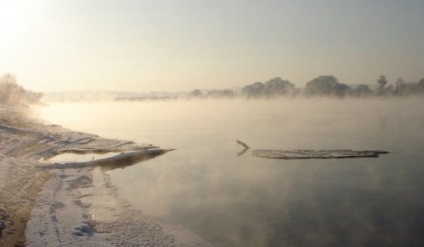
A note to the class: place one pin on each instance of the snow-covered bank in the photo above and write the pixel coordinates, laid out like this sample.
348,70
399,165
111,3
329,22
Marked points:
77,206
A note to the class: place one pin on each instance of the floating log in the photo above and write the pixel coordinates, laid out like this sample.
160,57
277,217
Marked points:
316,154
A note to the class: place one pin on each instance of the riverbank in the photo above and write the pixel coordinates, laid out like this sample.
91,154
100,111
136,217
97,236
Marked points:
75,204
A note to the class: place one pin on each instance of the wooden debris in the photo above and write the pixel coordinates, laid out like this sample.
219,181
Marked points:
242,144
316,154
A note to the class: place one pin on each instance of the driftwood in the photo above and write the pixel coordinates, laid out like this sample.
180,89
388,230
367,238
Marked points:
242,144
316,154
310,154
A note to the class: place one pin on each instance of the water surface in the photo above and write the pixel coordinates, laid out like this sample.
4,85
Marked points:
233,200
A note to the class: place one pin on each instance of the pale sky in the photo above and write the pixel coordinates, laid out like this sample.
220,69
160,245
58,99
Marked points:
158,45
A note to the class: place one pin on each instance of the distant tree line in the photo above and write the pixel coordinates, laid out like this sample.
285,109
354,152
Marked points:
13,94
225,93
325,85
271,88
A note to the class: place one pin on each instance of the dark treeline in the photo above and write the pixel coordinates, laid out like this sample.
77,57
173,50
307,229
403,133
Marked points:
326,85
13,94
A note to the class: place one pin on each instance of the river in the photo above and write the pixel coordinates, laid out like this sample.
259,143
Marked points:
233,199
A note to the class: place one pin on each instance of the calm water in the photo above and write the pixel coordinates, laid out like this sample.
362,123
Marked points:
248,201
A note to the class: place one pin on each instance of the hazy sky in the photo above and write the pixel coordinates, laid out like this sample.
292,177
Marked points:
145,45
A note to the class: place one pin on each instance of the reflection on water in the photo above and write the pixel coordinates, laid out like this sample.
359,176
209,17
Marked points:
107,162
72,157
235,200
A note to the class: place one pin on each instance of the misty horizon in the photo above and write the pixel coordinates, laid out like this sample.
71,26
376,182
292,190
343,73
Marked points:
324,86
324,96
182,45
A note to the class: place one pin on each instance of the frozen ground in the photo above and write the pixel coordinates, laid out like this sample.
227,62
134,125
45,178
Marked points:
72,204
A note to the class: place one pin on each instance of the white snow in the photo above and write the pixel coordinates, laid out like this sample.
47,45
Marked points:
77,206
75,209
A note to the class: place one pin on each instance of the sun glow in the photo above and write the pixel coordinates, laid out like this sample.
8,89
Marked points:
11,13
22,23
17,14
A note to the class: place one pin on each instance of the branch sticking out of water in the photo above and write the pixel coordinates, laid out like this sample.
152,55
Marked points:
242,144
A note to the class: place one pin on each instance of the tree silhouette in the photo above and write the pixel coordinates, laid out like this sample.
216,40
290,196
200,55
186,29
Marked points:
361,90
400,87
196,93
271,88
11,93
382,81
420,85
326,85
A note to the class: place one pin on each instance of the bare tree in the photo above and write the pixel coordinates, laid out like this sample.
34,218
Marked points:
11,93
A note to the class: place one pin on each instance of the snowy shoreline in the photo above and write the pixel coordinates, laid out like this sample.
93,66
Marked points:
76,206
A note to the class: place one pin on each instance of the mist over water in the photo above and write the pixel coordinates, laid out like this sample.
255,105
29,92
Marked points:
248,201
